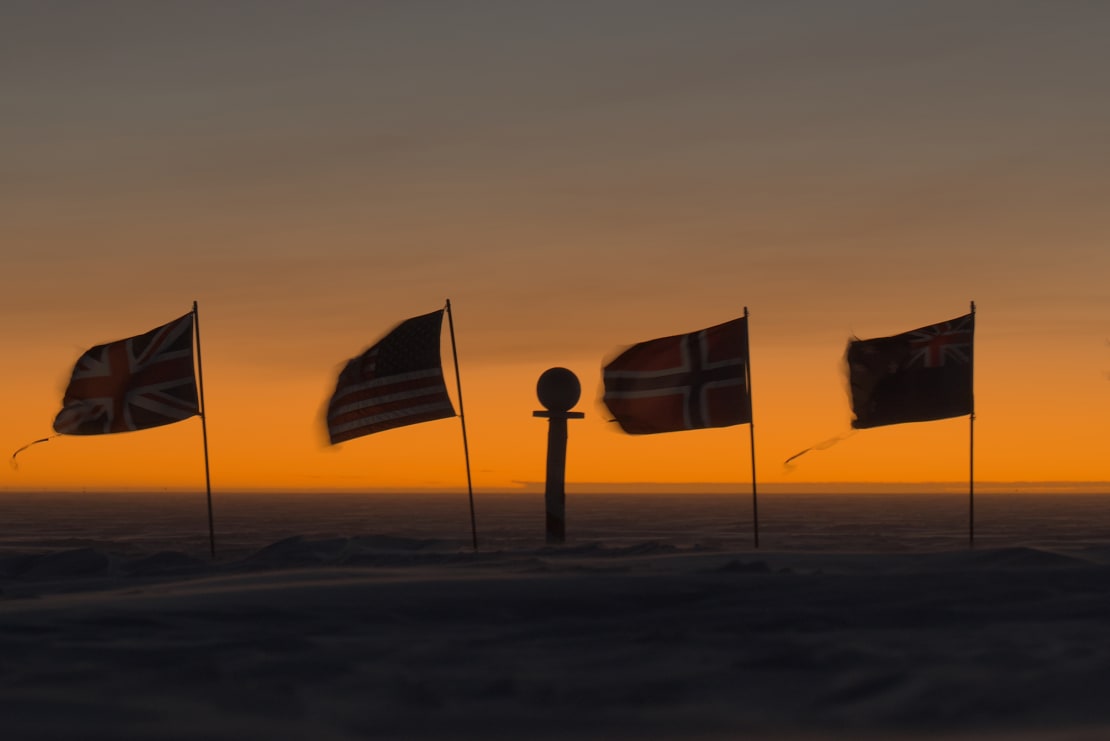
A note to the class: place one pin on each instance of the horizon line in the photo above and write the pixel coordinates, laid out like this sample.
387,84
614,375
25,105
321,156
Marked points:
636,487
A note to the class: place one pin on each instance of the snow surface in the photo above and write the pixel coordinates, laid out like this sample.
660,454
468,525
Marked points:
385,636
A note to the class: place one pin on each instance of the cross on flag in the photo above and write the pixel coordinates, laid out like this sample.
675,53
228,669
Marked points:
936,343
133,384
683,382
916,376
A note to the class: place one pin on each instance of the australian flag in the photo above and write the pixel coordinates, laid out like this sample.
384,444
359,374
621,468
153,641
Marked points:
683,382
915,376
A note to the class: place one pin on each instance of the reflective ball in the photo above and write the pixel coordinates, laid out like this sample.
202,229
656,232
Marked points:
558,389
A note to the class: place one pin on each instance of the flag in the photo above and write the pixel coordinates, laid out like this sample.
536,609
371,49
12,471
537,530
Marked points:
133,384
397,382
683,382
915,376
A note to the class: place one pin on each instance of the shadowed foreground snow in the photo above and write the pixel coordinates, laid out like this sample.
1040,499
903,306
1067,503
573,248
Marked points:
388,637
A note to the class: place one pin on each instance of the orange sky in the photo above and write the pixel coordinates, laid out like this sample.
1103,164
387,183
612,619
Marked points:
575,178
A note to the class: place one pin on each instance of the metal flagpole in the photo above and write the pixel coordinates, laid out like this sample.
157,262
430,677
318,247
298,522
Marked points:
751,423
971,443
462,419
204,433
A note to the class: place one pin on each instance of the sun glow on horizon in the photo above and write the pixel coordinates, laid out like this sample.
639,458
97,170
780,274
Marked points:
313,180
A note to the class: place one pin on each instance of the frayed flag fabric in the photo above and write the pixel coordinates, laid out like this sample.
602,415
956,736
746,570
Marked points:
397,382
683,382
133,384
916,376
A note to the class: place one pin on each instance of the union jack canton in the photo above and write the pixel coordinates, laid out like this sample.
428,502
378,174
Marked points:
948,341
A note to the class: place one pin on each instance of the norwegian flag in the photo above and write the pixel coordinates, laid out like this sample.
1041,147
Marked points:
916,376
397,382
132,384
683,382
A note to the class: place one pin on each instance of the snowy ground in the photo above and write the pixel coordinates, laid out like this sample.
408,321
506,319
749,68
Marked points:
387,637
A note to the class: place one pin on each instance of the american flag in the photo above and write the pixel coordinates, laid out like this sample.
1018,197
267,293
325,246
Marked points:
916,376
683,382
133,384
397,382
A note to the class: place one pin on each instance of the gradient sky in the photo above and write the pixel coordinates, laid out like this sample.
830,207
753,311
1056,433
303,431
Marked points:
575,177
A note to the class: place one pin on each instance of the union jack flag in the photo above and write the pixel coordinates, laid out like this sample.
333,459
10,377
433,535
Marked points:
683,382
133,384
947,341
397,382
916,376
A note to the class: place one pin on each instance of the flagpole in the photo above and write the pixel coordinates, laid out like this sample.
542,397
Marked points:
462,419
971,443
204,433
751,424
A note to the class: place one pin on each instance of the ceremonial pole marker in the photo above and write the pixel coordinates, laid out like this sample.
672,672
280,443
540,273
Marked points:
558,390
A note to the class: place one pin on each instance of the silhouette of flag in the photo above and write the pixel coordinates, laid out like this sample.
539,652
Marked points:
397,382
683,382
915,376
132,384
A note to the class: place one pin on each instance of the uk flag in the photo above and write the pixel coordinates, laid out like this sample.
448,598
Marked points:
133,384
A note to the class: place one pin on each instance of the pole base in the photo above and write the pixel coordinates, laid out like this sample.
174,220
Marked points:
556,530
